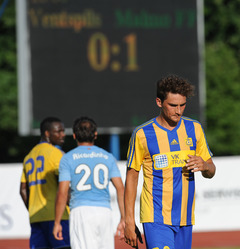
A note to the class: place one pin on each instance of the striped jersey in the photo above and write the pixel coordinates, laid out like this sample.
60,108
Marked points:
40,172
168,193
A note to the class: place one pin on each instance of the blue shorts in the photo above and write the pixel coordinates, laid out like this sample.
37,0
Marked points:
168,237
42,235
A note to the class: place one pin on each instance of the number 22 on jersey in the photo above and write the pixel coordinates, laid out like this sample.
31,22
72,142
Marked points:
33,175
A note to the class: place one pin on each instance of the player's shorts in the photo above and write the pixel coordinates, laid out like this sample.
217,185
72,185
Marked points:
91,227
42,235
160,236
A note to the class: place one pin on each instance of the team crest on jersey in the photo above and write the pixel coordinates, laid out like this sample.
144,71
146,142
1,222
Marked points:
189,141
161,161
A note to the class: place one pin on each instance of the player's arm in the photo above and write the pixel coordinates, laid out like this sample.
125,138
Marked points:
24,193
209,169
196,163
118,184
61,201
202,161
129,203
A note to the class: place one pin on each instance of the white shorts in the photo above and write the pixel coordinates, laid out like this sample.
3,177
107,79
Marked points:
91,228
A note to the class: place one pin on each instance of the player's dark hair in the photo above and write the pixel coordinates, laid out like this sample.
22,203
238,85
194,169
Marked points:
84,129
46,124
174,84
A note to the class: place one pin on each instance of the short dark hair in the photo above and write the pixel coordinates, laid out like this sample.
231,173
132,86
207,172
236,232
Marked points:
46,124
174,84
84,129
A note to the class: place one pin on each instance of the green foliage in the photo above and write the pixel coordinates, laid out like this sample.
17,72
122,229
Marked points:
222,22
223,104
222,27
10,145
8,79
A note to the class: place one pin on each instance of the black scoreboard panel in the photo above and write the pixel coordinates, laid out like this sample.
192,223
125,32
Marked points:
102,58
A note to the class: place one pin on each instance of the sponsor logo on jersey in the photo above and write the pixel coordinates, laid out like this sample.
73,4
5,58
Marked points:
161,161
170,159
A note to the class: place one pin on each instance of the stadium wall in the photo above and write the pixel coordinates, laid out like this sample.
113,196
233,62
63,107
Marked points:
217,200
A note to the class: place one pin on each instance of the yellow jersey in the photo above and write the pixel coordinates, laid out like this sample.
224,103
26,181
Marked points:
40,172
168,194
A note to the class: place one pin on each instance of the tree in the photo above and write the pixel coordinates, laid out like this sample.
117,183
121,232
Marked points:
222,23
223,105
222,26
8,79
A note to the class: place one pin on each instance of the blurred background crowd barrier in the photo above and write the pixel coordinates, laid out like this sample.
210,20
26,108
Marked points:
217,200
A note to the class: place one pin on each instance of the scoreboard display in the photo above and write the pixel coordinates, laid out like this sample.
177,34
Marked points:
102,59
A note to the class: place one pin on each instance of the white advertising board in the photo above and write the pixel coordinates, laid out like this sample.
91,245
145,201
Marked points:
217,199
13,214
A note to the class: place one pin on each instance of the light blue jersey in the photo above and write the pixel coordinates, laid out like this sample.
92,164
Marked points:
89,170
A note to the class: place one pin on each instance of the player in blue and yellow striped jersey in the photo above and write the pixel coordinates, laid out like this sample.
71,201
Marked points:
170,149
39,184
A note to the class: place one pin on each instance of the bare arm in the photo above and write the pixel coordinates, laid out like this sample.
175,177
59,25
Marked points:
24,193
61,201
196,163
129,202
118,184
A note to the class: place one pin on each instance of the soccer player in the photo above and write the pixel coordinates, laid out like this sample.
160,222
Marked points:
88,169
170,148
39,185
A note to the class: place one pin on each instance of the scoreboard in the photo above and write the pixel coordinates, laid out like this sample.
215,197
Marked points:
102,58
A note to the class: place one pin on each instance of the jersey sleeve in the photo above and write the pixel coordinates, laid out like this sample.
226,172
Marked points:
202,148
136,152
23,177
64,170
114,172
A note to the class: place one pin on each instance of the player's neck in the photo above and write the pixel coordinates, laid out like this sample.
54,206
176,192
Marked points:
168,124
85,144
44,140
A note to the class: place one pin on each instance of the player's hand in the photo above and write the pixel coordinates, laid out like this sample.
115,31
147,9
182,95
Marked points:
132,235
57,231
195,164
120,229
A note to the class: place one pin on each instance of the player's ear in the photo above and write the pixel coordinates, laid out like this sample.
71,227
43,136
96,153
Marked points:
74,136
47,135
95,137
158,102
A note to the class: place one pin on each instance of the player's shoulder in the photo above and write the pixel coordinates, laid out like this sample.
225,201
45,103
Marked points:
51,150
190,120
83,152
33,152
44,146
139,128
43,149
69,154
102,152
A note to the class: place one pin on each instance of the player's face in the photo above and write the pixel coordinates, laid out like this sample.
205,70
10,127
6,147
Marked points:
57,134
172,107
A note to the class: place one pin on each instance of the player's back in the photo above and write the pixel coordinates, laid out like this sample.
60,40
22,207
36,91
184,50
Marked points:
40,172
89,168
